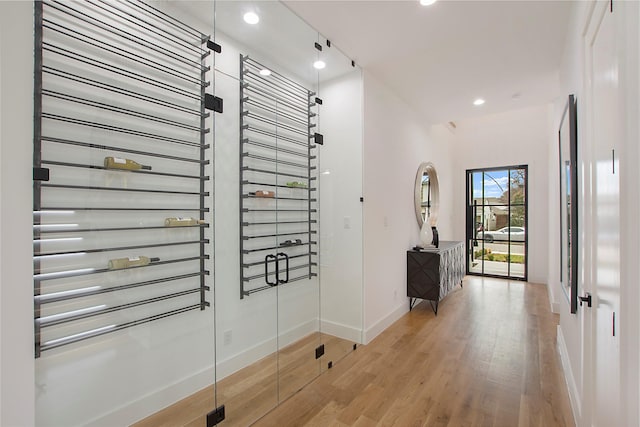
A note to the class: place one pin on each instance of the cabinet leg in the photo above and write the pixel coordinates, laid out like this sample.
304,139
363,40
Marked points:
412,302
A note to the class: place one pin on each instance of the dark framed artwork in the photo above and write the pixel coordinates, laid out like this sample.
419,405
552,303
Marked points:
568,156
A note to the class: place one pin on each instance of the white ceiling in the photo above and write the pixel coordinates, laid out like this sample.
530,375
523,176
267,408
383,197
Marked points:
440,58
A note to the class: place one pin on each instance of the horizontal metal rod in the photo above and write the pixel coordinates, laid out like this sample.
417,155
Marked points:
262,236
113,29
264,288
279,210
119,71
297,267
280,126
170,20
261,262
120,110
247,168
313,221
120,248
249,196
91,230
126,131
281,102
279,162
189,39
124,150
279,98
280,138
49,345
245,182
252,77
85,208
88,271
97,290
111,88
278,149
141,171
302,119
106,310
137,190
101,45
270,248
250,61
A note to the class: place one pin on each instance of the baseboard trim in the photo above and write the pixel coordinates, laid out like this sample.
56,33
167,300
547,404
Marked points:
574,395
341,331
382,324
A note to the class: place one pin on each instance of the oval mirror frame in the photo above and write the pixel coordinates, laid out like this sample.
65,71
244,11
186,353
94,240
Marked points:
429,170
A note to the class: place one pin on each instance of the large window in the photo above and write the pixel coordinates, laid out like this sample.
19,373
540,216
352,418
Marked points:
497,222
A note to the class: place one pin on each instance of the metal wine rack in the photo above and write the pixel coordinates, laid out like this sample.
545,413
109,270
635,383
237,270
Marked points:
278,176
117,79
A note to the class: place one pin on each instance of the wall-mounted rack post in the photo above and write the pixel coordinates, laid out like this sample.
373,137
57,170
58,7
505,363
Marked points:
118,242
278,176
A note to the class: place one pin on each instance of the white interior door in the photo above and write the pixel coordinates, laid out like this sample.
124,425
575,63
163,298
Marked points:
607,128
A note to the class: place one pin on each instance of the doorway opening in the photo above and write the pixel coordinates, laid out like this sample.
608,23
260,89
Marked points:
496,222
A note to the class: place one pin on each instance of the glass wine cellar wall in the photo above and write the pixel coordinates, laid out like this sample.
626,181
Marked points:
197,212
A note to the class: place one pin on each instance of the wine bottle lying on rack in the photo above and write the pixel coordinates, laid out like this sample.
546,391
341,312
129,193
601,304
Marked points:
139,261
263,193
120,163
181,222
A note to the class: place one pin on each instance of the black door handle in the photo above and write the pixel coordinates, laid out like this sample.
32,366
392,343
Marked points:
586,298
266,269
286,258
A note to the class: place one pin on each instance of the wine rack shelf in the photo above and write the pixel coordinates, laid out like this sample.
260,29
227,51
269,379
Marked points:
122,153
278,176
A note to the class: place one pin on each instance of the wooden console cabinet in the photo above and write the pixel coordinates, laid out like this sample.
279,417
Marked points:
433,272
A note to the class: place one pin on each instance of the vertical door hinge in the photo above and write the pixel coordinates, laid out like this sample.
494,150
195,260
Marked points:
40,174
318,46
318,138
214,103
318,100
319,351
330,365
216,416
214,46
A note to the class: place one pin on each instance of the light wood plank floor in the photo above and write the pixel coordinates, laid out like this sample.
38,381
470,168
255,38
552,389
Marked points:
488,359
253,391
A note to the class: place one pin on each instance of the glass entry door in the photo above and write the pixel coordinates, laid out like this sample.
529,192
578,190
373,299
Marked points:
496,222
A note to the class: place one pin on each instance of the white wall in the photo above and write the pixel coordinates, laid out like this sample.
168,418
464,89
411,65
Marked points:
518,137
396,141
16,270
340,206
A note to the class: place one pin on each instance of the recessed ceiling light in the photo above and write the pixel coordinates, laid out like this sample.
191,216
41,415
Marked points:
478,101
319,65
251,18
427,2
265,72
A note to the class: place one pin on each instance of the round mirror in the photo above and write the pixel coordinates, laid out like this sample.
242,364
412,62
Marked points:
427,194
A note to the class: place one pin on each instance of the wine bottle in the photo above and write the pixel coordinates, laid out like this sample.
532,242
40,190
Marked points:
180,222
139,261
120,163
265,193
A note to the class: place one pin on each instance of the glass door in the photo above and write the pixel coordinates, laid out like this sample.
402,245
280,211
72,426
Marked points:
123,211
496,217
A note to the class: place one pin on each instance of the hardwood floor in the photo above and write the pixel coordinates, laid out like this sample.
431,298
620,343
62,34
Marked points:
251,392
488,359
